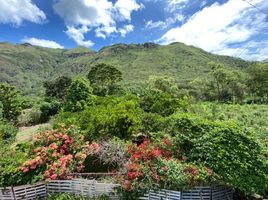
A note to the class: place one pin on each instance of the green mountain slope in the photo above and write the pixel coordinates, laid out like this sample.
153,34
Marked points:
28,66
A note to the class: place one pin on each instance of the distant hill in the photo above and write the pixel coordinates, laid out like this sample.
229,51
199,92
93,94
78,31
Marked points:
27,66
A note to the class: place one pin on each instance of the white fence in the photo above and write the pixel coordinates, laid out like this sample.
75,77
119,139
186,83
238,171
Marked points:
91,188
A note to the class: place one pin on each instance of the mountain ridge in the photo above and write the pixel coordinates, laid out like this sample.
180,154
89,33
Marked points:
27,66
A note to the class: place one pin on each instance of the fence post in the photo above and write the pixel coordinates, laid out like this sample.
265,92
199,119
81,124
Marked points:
13,193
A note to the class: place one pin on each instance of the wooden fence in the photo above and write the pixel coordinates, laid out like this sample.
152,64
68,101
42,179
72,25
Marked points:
92,188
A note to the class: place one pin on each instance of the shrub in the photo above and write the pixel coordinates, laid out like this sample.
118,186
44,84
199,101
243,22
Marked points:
7,132
79,95
104,79
10,160
226,148
57,153
49,109
153,166
159,102
10,100
112,156
114,116
30,117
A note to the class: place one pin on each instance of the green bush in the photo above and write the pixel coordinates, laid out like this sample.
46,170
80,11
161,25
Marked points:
79,95
7,132
225,147
30,117
11,102
113,117
10,160
49,109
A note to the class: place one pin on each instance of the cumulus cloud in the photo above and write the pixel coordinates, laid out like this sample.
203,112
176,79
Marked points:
77,34
43,43
17,11
82,16
124,8
126,29
166,23
216,27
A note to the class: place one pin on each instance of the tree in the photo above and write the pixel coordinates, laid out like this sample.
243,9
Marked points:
164,84
78,95
225,85
9,97
104,79
58,87
258,80
161,96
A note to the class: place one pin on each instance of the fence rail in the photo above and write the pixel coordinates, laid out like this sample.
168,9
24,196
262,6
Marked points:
92,188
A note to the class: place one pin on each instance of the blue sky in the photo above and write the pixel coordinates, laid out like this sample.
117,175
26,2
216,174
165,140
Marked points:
227,27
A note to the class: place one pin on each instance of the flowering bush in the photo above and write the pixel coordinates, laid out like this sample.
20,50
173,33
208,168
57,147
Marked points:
153,166
59,152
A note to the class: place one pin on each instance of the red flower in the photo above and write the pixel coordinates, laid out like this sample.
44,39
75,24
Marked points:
131,175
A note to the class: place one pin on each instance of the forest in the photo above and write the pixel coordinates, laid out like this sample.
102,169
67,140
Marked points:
156,134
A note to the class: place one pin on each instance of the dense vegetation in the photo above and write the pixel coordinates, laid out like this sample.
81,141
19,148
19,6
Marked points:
157,134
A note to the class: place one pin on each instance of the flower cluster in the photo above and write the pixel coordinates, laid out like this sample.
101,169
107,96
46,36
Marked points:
154,165
59,152
143,163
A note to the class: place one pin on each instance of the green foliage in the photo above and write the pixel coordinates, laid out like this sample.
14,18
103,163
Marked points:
161,96
224,147
10,160
49,109
104,79
30,117
222,84
58,87
136,61
112,116
152,122
9,97
79,95
258,81
7,132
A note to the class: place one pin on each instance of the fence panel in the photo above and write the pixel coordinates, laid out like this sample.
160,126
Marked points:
6,193
29,192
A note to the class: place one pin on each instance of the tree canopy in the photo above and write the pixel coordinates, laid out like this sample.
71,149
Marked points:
104,79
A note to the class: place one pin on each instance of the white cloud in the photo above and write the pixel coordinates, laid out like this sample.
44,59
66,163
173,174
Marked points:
17,11
43,43
253,50
175,5
214,28
124,8
165,24
77,34
82,16
126,29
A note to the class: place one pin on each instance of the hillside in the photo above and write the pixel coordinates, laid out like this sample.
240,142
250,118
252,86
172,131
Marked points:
27,66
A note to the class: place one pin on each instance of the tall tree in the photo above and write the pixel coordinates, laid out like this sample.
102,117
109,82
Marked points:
58,87
10,100
78,95
258,80
104,79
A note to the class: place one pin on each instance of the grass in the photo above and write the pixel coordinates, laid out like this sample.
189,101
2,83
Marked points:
26,133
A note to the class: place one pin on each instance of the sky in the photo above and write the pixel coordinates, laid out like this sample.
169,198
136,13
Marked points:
227,27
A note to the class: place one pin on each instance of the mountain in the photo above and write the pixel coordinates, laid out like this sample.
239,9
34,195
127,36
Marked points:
27,66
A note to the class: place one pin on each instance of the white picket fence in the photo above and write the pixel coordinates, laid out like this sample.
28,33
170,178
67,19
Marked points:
92,188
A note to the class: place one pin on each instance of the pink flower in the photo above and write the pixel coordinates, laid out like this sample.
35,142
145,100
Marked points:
53,177
25,170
